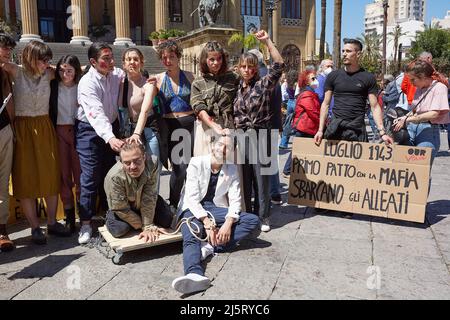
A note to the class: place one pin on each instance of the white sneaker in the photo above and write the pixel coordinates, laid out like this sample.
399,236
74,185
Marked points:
265,225
191,283
207,250
85,234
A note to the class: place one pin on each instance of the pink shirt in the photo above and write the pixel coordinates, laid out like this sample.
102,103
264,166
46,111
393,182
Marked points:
436,100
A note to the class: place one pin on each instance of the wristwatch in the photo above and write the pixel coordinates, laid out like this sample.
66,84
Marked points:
382,132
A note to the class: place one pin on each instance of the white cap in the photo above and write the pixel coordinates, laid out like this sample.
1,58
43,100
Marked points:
258,54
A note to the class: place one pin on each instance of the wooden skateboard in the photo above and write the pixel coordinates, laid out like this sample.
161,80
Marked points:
131,242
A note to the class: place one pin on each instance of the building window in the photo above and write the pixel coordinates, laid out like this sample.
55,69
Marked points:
47,29
52,15
251,8
291,9
175,11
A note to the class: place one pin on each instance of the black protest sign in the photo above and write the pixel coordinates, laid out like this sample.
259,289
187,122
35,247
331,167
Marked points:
370,179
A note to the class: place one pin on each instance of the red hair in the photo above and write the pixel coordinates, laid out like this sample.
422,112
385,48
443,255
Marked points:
303,78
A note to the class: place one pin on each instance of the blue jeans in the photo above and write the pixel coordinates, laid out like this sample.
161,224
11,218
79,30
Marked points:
284,143
192,246
288,165
152,149
425,135
372,123
275,184
285,138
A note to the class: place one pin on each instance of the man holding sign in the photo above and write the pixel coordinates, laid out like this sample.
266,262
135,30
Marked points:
351,87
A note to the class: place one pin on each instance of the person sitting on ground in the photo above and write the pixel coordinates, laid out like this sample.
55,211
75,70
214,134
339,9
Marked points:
133,202
211,204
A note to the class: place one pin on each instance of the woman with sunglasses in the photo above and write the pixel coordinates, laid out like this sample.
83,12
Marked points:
307,111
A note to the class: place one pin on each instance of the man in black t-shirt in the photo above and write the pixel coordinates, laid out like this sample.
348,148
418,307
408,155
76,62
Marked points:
351,87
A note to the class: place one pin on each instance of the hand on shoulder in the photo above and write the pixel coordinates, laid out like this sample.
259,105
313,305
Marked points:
189,75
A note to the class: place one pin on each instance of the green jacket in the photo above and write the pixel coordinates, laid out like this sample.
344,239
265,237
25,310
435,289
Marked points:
215,95
127,196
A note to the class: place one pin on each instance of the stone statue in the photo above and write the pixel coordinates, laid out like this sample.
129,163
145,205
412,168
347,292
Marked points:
208,11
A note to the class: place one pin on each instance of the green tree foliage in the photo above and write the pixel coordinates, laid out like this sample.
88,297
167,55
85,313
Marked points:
371,57
396,34
14,30
437,41
248,42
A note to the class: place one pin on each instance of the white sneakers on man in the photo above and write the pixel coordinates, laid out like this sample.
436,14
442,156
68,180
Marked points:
85,234
191,283
207,250
265,225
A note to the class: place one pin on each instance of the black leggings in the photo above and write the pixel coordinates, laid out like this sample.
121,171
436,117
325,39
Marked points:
184,145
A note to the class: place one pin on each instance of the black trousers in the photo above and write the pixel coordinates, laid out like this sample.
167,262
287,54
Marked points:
180,158
254,178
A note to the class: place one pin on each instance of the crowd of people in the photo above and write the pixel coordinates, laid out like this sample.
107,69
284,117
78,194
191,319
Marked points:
65,126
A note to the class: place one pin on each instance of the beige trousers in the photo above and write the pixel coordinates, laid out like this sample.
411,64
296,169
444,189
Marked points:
6,157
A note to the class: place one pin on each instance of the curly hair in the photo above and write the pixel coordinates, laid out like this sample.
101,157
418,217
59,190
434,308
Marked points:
170,46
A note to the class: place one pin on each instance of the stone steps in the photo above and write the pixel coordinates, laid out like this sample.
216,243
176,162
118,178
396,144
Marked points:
152,63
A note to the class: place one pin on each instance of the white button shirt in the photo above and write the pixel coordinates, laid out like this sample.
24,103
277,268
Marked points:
98,97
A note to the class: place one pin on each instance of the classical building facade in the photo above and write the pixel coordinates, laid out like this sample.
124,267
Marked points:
130,22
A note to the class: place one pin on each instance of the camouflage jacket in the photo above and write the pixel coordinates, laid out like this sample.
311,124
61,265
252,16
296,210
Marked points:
128,196
215,95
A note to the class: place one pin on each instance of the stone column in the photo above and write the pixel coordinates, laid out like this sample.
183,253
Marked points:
79,23
311,31
275,22
148,22
122,8
30,24
162,12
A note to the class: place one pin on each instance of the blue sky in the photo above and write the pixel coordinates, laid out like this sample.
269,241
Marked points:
353,16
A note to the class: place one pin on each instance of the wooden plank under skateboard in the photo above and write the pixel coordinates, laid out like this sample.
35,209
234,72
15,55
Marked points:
131,241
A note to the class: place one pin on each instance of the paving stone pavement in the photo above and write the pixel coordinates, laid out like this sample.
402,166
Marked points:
305,256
